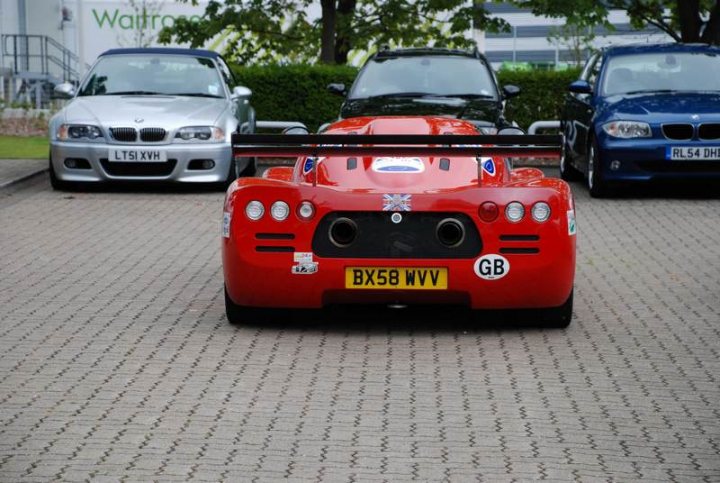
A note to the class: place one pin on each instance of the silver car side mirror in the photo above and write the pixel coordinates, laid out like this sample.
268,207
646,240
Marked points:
65,90
241,92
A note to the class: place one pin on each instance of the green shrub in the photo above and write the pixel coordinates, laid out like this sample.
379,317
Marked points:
295,92
541,97
298,92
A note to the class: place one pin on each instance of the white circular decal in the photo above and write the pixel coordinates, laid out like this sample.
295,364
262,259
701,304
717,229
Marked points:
492,267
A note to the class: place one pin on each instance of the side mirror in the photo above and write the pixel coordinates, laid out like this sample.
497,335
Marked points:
580,87
337,88
65,90
511,131
241,92
510,91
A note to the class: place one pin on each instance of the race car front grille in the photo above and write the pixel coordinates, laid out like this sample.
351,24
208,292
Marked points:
709,131
678,131
152,134
124,134
376,235
114,168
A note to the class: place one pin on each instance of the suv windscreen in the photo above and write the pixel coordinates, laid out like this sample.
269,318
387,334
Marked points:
435,75
148,74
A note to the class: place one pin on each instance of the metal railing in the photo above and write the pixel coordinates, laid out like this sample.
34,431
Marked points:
39,54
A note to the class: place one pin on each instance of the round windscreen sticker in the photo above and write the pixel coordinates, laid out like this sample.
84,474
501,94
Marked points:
492,267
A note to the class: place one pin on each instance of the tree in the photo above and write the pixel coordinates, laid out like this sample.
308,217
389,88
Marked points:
261,30
577,38
142,35
683,20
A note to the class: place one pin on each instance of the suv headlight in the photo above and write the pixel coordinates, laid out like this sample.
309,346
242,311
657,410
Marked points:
209,134
627,129
78,132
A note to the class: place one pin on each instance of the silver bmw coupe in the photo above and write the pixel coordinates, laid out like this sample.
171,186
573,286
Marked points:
153,114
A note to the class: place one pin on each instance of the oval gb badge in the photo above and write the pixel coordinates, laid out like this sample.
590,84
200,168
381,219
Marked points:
492,267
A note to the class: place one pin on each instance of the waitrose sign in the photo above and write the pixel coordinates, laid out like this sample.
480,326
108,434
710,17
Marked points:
103,25
151,20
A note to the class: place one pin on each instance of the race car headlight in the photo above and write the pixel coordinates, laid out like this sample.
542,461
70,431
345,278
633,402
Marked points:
306,210
540,211
279,210
514,211
78,132
627,129
208,134
254,210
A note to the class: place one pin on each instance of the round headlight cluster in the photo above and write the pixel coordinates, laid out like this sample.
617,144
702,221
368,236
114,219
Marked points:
306,210
514,211
255,210
279,210
540,211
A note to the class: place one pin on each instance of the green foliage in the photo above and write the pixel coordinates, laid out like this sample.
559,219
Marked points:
683,20
295,92
298,92
542,94
280,30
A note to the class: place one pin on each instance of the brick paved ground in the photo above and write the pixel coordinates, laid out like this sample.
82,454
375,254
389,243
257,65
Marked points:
116,361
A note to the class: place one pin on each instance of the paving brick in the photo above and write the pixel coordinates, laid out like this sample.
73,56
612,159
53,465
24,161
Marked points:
116,361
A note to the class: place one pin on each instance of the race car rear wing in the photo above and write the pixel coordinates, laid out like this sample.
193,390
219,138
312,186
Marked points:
315,145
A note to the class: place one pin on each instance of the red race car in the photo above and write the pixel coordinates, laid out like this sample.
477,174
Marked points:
399,210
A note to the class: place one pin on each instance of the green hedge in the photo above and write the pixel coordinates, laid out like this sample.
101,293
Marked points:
541,97
295,92
298,92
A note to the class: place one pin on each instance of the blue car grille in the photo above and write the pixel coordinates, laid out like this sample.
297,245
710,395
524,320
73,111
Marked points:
709,131
680,132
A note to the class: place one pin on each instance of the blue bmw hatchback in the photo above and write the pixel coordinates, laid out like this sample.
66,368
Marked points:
640,113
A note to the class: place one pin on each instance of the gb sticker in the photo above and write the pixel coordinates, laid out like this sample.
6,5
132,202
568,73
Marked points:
492,267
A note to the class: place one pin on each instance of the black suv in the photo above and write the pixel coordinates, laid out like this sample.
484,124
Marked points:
426,82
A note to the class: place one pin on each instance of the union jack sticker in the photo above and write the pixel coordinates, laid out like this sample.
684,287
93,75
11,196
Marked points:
398,202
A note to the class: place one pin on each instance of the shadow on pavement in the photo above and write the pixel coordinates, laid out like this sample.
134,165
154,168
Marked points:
381,318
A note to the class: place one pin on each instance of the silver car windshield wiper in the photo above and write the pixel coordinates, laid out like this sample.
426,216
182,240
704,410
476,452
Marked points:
198,94
132,93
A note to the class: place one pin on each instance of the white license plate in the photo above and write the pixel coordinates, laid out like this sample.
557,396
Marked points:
131,155
676,153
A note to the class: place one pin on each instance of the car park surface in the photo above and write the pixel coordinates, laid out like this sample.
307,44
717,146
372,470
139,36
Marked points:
117,362
151,115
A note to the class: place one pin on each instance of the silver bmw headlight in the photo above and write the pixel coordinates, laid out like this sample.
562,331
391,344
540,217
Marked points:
79,132
208,134
627,129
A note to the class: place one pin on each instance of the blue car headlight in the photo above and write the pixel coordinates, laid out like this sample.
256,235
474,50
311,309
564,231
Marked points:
79,132
627,129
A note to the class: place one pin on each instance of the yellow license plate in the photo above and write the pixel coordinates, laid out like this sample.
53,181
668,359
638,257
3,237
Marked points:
406,278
